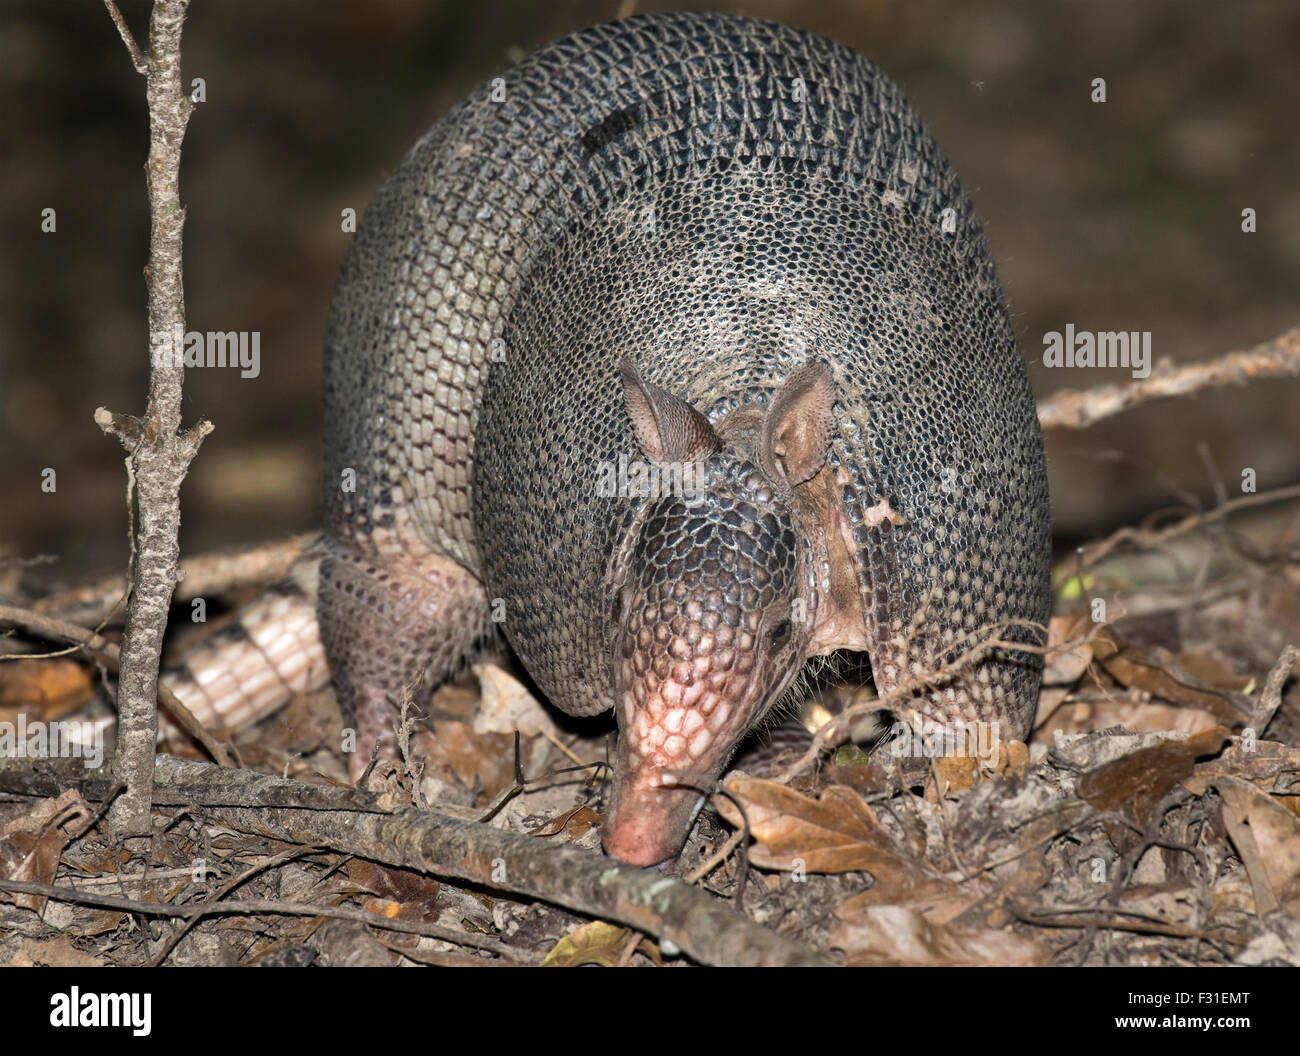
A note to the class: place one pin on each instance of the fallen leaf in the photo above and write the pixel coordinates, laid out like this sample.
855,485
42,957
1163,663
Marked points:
595,943
97,922
43,689
1271,767
55,953
837,833
415,892
1134,784
487,758
33,843
853,767
950,773
1213,672
1267,838
454,702
577,822
1092,716
1068,652
1049,699
1153,670
936,899
1013,758
896,935
508,706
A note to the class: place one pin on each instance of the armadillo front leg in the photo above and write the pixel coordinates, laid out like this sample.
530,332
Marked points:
385,620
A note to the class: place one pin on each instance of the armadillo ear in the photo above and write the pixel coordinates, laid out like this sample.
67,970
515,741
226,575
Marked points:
668,428
798,426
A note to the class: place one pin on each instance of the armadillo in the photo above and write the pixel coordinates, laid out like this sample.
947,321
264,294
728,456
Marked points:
710,251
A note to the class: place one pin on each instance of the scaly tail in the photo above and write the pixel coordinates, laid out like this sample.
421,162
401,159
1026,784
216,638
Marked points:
246,670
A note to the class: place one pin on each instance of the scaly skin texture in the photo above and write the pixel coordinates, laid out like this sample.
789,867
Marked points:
679,238
244,671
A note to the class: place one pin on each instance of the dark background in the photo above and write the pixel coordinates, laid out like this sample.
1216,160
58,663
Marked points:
1120,216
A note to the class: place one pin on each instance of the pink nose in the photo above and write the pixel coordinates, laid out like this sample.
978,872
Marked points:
647,825
636,847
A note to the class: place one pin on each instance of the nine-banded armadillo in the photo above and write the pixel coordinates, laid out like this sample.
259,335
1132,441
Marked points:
679,240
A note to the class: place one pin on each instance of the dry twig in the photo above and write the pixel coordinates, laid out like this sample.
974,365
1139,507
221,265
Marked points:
1149,538
200,576
158,452
1080,408
356,822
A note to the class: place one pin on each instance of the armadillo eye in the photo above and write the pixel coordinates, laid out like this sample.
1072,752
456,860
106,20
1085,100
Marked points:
781,632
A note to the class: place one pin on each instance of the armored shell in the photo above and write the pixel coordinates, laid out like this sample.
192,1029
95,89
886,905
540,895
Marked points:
718,200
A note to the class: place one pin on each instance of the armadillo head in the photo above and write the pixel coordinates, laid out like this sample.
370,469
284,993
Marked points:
719,594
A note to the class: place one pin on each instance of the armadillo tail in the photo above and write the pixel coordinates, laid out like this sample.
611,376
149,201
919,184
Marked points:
246,670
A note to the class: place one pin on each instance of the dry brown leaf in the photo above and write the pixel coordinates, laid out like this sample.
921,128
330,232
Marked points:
33,843
1059,715
488,758
508,706
43,689
1134,784
454,702
896,935
936,899
837,833
55,953
92,922
1271,767
577,822
1267,838
1013,758
1051,698
853,767
957,773
950,773
391,909
1212,671
1154,671
1068,652
413,893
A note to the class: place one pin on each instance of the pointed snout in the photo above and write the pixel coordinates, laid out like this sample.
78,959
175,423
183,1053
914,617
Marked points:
675,736
647,825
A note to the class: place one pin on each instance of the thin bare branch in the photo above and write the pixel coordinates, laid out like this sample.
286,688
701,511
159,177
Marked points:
1142,537
138,60
252,907
1080,408
1270,698
158,451
203,575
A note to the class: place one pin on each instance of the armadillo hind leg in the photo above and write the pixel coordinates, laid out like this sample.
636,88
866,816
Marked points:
386,620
